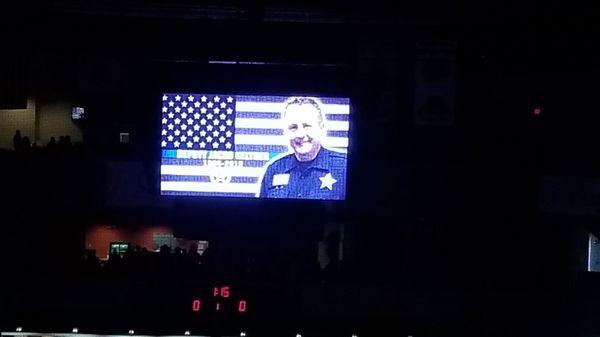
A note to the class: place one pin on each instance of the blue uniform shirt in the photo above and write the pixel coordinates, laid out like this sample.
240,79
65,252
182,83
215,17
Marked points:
322,178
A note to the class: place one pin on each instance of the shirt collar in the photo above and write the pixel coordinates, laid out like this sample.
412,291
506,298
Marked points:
320,161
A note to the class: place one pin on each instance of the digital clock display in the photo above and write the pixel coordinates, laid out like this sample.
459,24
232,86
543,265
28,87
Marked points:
221,299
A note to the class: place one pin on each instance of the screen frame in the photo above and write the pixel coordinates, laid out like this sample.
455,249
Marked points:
247,201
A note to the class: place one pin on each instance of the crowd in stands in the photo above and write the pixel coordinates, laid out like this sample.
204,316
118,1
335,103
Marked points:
137,261
23,143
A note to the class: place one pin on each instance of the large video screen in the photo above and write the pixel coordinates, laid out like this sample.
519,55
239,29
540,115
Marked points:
284,147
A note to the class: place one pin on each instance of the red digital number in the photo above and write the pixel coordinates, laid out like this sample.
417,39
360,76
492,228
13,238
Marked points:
242,306
223,292
196,305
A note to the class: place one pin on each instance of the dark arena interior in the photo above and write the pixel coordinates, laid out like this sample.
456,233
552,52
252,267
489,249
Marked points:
299,168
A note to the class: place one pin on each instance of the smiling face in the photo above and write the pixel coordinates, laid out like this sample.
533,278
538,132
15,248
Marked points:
304,128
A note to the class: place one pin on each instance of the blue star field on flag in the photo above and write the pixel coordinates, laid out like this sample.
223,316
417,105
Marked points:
198,122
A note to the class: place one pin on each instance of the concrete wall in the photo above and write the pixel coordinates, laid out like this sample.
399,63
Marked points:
100,236
40,121
17,119
54,119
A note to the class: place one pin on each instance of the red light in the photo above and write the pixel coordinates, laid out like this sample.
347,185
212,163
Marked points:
223,291
537,111
242,306
196,305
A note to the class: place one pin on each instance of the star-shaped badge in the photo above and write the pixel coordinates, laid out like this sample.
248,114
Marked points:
327,181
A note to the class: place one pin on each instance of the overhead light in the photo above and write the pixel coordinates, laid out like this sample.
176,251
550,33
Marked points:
187,332
19,329
222,62
75,330
243,334
298,335
354,335
131,332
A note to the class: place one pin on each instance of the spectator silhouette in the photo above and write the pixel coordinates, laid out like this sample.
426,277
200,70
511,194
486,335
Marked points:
78,147
146,260
128,258
64,142
25,143
207,260
61,142
114,261
331,270
193,255
164,250
91,262
165,259
192,259
178,260
52,144
17,140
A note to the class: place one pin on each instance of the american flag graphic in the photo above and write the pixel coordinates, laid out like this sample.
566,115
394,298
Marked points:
220,145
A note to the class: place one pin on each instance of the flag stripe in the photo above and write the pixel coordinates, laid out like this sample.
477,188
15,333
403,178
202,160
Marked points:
283,141
339,149
207,187
279,132
209,170
261,148
207,194
200,162
335,142
343,134
282,99
277,115
261,139
198,179
261,115
331,117
221,155
251,106
206,179
255,163
181,161
335,100
250,131
276,124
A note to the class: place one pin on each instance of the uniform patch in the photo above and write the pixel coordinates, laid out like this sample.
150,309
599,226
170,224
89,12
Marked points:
281,179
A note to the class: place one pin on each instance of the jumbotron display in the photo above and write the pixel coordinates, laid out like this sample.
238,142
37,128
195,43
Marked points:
283,147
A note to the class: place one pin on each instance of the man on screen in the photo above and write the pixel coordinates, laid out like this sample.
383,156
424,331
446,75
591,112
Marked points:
311,171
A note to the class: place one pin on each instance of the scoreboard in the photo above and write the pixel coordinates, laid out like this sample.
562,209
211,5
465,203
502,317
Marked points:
222,298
